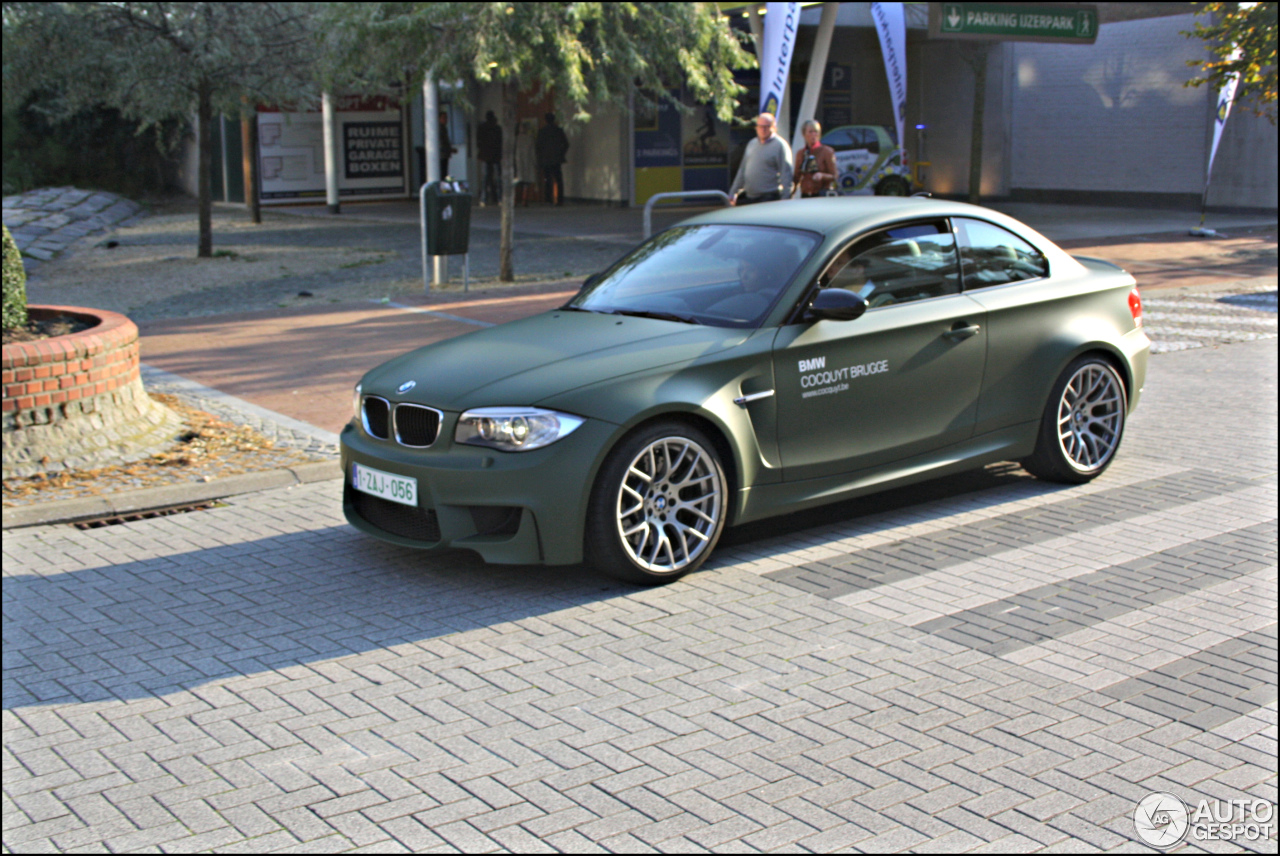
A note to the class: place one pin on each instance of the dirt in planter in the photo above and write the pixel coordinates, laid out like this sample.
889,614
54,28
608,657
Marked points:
46,329
209,448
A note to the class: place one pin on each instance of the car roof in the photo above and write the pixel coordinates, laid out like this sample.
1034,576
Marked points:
837,215
841,217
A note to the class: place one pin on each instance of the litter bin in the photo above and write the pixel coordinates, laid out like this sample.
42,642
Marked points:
447,211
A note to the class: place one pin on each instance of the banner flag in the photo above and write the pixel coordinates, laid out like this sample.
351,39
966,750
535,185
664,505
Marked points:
1226,95
891,25
781,20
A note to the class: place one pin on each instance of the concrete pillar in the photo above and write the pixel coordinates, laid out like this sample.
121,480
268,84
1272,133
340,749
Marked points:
330,152
817,70
431,143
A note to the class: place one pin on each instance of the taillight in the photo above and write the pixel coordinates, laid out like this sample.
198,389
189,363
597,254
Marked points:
1135,306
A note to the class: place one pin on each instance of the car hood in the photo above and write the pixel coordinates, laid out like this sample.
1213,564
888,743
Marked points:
526,361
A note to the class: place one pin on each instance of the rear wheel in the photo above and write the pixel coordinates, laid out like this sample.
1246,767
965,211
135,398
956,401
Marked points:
658,505
893,185
1082,424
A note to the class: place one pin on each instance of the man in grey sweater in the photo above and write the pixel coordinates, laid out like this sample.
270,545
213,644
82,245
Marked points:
765,173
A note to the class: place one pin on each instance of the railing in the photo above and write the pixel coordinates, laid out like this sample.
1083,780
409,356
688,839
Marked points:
917,180
675,194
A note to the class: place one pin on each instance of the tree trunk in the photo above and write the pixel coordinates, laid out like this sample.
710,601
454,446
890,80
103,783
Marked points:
510,91
204,177
979,66
249,143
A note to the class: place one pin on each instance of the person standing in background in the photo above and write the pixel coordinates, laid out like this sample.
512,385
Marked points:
766,170
489,149
815,163
447,149
552,146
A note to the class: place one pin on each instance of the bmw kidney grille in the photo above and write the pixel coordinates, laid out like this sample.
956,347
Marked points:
413,425
416,426
376,416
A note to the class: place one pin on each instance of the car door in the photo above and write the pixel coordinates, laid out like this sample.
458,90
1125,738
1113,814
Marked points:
901,380
1025,319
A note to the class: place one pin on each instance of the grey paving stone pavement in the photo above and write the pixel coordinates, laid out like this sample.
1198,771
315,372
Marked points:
1002,664
47,221
262,677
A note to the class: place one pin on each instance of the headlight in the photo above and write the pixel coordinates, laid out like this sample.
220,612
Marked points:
514,429
355,402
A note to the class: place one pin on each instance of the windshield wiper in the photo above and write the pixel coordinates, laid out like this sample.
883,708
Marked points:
661,316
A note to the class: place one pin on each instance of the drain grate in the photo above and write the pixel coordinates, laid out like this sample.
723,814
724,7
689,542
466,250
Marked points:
116,519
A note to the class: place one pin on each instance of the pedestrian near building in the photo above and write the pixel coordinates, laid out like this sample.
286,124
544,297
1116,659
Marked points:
527,178
766,170
447,149
815,163
489,149
552,146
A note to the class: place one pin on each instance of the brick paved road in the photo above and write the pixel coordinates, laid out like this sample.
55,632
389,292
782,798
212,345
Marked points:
983,663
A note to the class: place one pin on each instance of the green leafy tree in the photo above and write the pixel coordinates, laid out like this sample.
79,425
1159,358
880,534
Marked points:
587,53
15,285
1249,28
160,61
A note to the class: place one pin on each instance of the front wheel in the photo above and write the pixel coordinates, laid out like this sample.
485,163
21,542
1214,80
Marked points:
1082,424
658,505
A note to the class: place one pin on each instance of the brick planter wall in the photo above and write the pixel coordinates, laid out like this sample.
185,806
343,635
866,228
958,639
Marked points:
76,401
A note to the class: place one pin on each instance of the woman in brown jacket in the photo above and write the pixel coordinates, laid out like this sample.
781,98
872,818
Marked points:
815,163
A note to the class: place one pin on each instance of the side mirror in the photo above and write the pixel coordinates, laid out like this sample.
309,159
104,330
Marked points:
836,304
590,281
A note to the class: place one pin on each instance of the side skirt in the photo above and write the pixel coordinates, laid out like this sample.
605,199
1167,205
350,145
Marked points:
762,501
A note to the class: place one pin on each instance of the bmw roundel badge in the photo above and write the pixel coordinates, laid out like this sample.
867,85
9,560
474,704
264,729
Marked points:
406,386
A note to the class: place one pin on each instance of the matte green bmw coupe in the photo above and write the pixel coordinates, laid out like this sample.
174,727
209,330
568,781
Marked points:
749,362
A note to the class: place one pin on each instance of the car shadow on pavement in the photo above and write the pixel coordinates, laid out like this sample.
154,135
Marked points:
146,628
141,629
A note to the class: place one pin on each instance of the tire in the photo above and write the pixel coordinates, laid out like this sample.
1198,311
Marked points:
658,506
1082,425
893,185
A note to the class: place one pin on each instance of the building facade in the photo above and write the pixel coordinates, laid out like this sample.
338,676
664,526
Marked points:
1107,123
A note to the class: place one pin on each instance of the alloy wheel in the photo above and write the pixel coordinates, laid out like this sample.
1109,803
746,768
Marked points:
1091,417
669,504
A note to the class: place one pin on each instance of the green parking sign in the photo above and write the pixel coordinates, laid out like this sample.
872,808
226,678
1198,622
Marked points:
1016,22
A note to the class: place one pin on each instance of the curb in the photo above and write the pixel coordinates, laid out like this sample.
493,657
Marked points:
152,499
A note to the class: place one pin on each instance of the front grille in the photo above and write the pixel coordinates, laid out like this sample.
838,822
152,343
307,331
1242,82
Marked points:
416,425
376,416
403,520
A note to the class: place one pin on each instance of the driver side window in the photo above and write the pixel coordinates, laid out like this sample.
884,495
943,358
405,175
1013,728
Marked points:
898,265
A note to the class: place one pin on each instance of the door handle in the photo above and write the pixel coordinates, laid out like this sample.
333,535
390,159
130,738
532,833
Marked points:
959,332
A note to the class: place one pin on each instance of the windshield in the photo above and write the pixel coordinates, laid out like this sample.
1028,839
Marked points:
721,276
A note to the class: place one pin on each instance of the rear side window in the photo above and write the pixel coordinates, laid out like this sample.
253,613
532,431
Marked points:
838,139
994,256
899,265
868,140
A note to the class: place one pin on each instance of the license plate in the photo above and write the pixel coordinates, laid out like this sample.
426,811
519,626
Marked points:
401,489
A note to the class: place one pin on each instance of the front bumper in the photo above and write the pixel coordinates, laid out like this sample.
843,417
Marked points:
510,507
